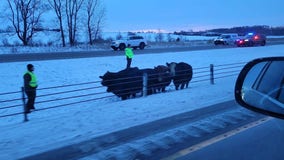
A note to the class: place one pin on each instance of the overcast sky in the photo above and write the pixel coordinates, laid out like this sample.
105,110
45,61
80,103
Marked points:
176,15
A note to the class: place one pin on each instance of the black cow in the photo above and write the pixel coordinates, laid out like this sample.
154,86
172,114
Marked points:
158,79
124,83
164,77
181,74
128,82
152,79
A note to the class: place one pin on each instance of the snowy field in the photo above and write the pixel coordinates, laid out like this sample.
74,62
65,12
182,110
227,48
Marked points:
54,128
51,42
10,48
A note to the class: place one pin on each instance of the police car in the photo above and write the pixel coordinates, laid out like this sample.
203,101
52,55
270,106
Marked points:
251,39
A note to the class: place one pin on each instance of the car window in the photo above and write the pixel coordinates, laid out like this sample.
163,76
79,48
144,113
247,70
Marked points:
248,36
225,36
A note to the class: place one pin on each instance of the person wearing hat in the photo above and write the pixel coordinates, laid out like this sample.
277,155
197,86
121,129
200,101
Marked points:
129,55
30,85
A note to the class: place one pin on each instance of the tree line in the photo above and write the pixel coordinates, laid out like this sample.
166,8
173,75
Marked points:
242,30
26,18
264,29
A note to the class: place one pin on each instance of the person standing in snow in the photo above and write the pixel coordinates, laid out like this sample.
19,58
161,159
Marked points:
129,55
30,85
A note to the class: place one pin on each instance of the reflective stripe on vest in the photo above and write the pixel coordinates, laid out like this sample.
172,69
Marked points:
33,82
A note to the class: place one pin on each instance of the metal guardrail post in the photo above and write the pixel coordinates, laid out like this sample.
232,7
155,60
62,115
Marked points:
211,73
24,105
145,83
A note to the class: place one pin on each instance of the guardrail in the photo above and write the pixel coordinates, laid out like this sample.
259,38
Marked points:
71,94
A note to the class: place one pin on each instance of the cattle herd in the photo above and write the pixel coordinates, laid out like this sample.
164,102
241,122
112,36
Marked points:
128,82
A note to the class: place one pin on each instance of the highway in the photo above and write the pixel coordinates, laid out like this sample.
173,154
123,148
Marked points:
262,142
87,54
161,138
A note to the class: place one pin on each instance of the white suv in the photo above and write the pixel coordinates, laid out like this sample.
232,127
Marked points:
134,41
226,39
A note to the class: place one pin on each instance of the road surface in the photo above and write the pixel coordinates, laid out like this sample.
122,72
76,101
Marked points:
262,142
158,139
87,54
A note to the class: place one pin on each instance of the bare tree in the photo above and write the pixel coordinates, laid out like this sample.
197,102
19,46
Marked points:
91,6
25,17
95,19
58,8
72,10
99,23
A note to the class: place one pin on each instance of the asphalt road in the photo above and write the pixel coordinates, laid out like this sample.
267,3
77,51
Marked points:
194,134
263,142
87,54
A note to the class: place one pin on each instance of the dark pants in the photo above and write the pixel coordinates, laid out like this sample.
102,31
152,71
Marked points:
128,62
31,93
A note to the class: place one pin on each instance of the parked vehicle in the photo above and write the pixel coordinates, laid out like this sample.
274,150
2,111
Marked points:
134,41
226,39
251,39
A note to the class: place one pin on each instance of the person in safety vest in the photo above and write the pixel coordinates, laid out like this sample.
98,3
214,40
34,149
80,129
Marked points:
30,85
129,55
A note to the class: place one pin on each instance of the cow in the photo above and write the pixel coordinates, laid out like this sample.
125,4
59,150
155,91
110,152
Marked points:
129,82
158,79
152,79
181,74
164,77
124,83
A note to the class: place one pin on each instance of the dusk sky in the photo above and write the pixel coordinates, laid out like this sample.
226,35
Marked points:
176,15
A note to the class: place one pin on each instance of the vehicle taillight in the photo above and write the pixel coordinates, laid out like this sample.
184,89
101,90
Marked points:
256,37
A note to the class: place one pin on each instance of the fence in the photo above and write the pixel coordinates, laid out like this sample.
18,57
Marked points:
67,95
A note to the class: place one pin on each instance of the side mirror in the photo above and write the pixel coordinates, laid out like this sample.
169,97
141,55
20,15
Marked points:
260,86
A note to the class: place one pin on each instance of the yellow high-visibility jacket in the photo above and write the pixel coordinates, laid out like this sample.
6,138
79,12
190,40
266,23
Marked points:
129,52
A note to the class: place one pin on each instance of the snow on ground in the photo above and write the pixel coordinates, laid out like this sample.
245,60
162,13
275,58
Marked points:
67,125
9,43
